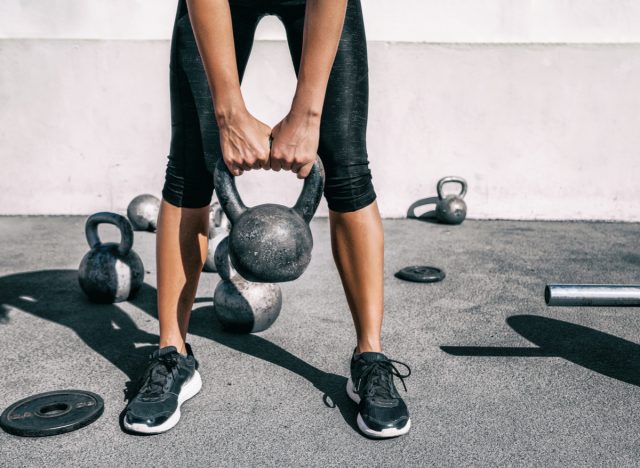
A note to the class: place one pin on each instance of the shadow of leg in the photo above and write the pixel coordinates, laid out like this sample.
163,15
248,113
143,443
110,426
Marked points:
332,386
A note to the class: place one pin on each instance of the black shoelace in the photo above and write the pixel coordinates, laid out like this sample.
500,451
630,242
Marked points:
378,376
156,374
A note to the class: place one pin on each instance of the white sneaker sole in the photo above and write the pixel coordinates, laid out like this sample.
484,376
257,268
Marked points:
383,434
189,390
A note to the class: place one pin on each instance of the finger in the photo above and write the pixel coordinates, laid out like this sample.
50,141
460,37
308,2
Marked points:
286,164
248,163
264,165
263,160
234,167
305,170
275,164
295,167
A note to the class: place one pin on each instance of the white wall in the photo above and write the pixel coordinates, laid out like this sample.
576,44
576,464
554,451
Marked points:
540,131
497,21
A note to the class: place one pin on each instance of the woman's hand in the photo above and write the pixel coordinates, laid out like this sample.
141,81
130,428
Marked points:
295,143
244,141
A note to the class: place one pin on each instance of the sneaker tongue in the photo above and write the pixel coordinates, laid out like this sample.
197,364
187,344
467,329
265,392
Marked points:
371,356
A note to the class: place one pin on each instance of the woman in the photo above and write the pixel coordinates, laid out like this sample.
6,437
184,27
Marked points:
210,47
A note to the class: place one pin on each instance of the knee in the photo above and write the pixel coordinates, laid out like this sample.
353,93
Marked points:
349,192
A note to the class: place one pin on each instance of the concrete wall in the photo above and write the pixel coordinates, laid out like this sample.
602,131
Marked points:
476,21
534,102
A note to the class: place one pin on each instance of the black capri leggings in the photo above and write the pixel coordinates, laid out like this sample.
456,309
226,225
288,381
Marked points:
195,141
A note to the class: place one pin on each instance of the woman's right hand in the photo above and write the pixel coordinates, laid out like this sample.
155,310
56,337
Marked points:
244,141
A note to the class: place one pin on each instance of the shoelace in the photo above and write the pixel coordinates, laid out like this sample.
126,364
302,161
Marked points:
381,375
157,373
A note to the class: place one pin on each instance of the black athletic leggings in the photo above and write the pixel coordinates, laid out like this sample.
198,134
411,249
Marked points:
195,141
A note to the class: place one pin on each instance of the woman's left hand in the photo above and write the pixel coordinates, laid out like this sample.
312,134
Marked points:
295,144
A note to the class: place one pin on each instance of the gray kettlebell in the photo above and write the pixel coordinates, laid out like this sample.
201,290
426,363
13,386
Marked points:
218,229
110,272
143,212
222,261
239,305
269,243
209,263
451,209
218,221
212,219
245,307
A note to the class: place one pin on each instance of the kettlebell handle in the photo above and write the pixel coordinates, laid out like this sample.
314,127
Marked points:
104,217
233,206
311,194
458,180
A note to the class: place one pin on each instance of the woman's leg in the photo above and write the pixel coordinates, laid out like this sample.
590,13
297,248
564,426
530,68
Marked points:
356,228
181,248
360,261
181,245
357,237
171,376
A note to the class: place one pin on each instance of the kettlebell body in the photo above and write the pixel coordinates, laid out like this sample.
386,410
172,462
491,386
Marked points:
222,260
110,272
143,212
209,263
451,209
270,243
218,221
245,307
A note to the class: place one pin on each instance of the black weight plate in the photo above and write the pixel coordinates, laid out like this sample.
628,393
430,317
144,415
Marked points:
421,274
52,413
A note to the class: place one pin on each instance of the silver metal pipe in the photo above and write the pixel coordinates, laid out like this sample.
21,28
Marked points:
592,295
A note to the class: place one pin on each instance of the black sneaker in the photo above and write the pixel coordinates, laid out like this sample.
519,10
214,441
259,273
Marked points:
169,380
381,411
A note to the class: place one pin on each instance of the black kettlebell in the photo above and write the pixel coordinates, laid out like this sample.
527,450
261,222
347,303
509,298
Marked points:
110,272
269,243
451,209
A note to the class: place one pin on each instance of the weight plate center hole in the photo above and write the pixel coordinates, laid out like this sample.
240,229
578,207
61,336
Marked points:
54,409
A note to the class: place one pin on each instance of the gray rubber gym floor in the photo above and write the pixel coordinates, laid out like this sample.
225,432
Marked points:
498,378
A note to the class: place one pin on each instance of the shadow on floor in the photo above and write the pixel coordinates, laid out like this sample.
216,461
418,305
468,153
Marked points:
54,295
428,216
595,350
203,323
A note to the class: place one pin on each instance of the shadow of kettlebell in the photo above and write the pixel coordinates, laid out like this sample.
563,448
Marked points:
427,216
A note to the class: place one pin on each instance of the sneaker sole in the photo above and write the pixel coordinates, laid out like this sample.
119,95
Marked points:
189,390
383,434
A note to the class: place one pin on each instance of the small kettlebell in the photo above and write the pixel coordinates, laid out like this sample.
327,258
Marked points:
269,243
451,209
218,221
110,272
143,212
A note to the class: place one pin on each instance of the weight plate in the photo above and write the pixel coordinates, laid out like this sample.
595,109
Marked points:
52,413
421,274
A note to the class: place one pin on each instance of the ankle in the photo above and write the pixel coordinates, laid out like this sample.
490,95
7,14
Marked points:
178,343
368,346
